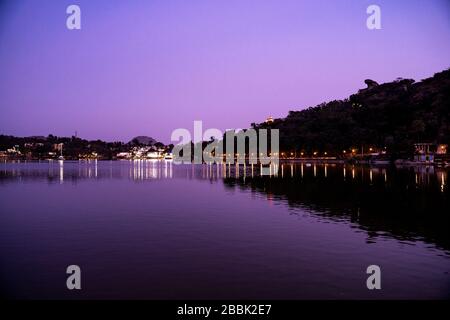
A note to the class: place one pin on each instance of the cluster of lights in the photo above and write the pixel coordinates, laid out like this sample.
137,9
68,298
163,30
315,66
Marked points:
283,154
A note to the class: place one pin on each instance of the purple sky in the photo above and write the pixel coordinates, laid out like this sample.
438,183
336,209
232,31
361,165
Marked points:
148,67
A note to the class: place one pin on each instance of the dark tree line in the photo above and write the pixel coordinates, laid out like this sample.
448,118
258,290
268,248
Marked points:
391,116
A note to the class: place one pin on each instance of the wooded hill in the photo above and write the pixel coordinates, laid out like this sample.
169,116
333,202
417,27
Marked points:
390,116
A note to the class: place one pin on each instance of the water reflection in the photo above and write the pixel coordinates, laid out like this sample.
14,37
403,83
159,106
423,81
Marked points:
225,226
405,202
408,203
64,171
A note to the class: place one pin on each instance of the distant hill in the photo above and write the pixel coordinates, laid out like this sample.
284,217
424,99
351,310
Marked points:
143,140
392,115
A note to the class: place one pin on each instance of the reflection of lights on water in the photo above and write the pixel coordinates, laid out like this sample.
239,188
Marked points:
217,170
151,169
158,169
50,169
154,171
61,171
165,170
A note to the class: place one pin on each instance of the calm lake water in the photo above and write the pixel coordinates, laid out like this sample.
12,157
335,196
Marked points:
156,230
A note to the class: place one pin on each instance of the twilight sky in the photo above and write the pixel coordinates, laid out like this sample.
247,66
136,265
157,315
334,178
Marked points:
148,67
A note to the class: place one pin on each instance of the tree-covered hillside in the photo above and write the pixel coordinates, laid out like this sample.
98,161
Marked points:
391,116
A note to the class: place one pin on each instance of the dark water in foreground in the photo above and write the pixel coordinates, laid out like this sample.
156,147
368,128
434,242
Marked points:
154,230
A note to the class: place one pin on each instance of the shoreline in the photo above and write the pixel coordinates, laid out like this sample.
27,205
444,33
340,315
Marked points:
396,163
